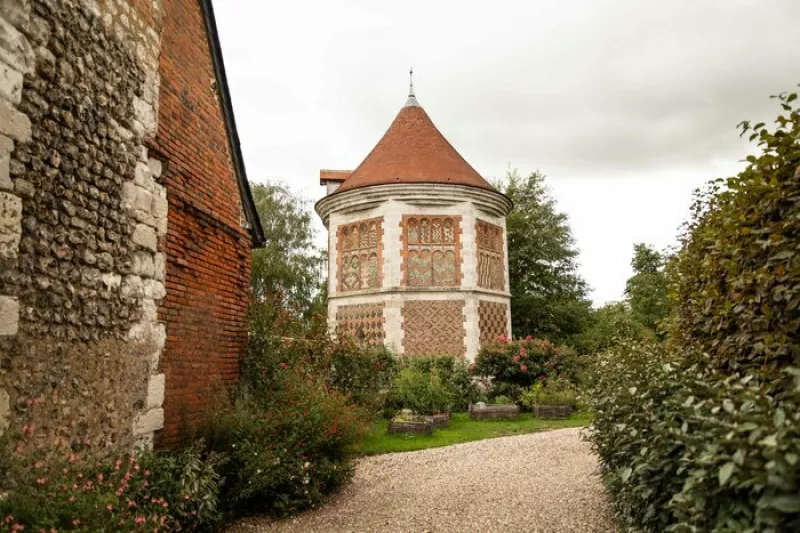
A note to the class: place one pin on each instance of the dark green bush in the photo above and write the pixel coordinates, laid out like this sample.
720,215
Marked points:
454,375
422,392
703,434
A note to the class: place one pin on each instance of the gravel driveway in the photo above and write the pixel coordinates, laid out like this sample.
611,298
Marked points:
542,482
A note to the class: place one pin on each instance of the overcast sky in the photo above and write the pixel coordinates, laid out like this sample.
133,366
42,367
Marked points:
626,106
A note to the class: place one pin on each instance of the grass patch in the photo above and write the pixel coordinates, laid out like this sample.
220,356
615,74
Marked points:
461,429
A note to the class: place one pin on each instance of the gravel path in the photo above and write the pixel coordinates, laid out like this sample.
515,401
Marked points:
538,483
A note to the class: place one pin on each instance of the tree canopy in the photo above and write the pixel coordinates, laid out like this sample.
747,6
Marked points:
646,291
548,295
287,269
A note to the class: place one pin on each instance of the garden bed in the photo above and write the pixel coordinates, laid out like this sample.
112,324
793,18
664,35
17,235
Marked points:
420,427
552,412
494,412
440,420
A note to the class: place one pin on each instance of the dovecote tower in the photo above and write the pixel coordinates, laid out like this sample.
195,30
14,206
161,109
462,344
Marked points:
418,257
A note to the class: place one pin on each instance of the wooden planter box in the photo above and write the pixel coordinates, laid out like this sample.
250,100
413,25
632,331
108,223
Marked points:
424,427
552,411
441,420
494,412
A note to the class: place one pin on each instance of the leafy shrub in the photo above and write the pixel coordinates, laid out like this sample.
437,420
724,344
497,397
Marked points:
286,434
364,373
703,435
453,373
513,366
422,392
287,455
556,392
148,492
502,400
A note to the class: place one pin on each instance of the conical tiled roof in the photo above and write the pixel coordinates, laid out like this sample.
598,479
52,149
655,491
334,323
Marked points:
413,150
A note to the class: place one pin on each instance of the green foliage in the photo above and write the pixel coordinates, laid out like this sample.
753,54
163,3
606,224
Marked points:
702,434
549,295
287,269
454,375
737,276
422,392
555,392
513,366
502,400
685,448
80,492
285,453
610,324
647,290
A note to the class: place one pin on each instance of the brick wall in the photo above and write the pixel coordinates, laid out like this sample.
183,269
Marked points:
208,250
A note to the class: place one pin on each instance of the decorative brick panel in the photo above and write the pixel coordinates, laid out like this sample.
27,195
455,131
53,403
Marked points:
434,327
491,263
359,255
431,251
361,322
492,321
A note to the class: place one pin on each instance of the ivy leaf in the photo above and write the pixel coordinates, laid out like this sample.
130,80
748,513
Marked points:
725,473
625,474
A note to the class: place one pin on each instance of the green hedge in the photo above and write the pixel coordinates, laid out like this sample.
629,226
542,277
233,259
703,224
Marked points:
702,434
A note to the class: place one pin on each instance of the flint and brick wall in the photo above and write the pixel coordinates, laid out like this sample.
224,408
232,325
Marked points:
121,229
207,247
82,220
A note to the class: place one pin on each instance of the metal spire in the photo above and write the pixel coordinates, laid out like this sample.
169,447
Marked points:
412,99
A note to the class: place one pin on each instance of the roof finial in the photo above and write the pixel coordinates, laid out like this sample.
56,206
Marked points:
412,100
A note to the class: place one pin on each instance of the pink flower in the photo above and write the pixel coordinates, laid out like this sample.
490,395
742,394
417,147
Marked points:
140,520
529,338
283,365
109,507
100,477
522,351
523,368
515,359
541,377
41,480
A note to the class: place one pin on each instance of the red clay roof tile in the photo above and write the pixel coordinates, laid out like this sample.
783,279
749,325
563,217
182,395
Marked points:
413,151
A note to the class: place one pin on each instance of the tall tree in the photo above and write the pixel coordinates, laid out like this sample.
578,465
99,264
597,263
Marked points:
548,294
646,291
287,269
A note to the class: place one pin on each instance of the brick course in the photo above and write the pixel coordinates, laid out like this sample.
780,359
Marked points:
207,248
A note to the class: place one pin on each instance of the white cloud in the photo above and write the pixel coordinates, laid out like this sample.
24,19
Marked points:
626,105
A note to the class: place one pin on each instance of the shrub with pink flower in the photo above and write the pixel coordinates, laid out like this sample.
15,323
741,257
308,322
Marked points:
514,365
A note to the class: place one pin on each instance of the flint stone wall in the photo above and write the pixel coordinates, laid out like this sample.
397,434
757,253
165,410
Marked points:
82,222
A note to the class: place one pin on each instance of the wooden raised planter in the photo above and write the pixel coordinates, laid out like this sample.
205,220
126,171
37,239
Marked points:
421,427
441,420
552,412
494,412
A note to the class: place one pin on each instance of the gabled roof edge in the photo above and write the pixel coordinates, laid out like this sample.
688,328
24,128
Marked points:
256,230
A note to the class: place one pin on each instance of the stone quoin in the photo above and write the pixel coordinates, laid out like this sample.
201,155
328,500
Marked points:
126,221
417,249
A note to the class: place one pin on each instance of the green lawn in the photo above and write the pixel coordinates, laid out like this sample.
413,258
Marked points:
461,429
